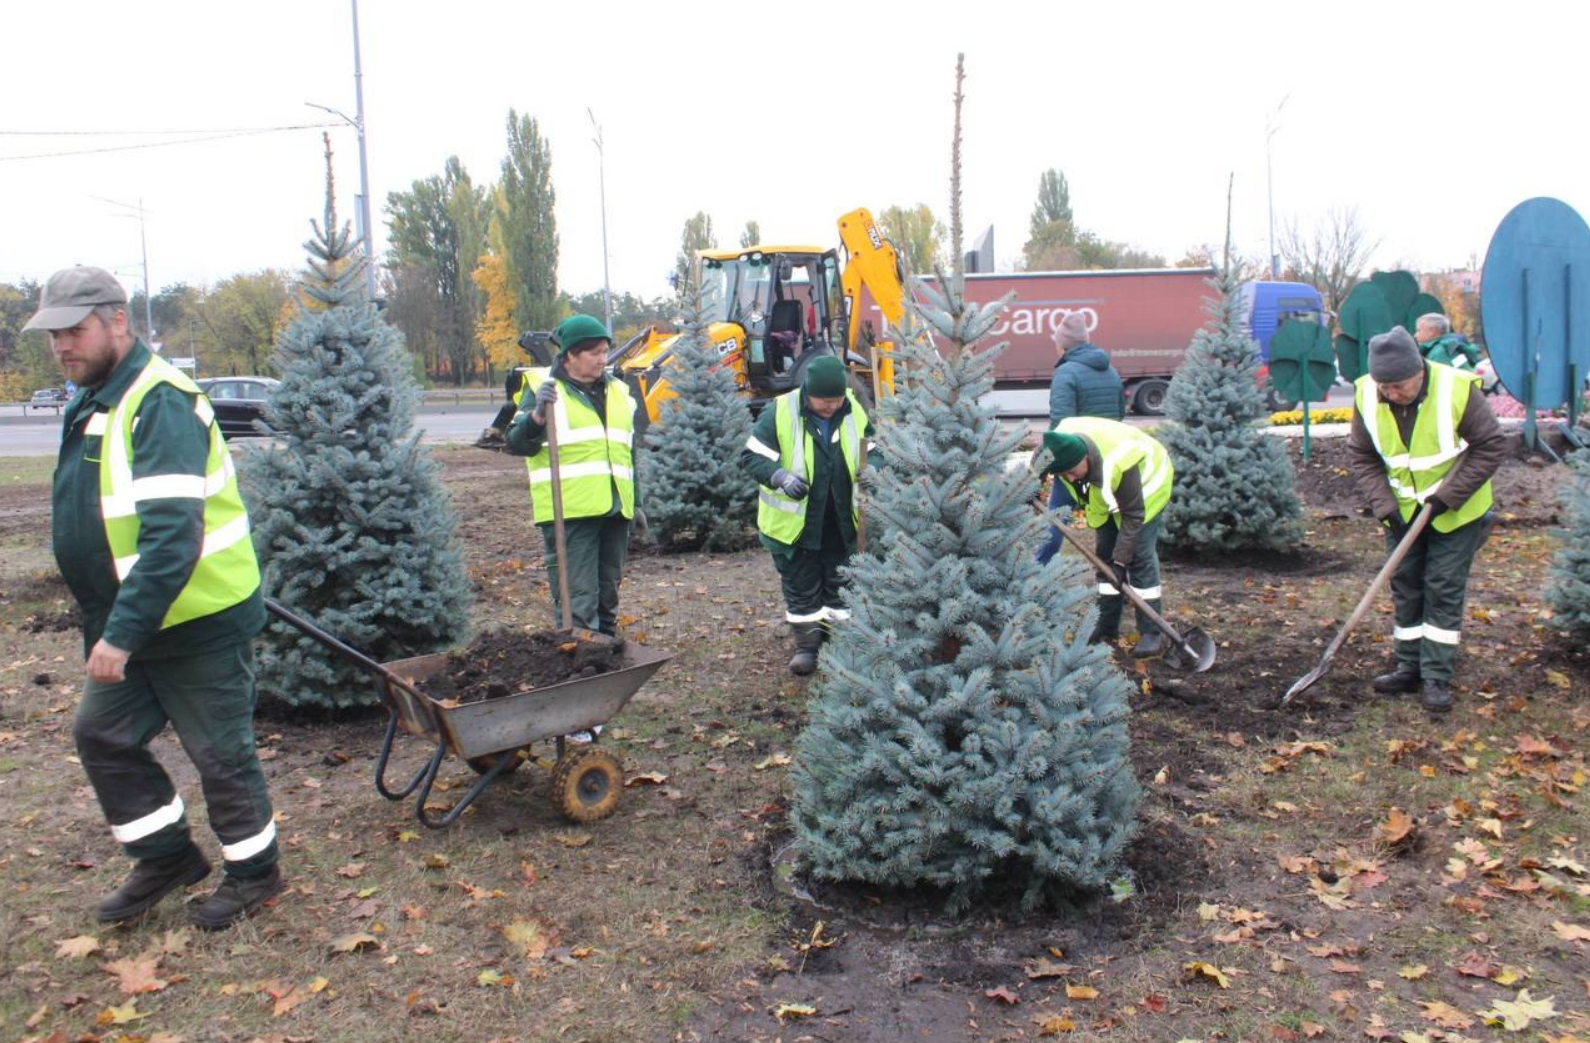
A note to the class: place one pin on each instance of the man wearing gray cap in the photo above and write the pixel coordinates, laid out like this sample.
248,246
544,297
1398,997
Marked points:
152,538
1422,433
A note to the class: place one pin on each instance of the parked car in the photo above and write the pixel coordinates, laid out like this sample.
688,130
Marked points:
49,398
238,402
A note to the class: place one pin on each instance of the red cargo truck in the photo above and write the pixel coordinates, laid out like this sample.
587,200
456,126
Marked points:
1144,319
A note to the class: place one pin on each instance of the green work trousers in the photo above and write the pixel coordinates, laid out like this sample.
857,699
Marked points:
1428,590
597,549
209,700
1142,573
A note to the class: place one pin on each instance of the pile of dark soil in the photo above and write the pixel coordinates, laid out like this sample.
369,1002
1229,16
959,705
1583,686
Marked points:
505,662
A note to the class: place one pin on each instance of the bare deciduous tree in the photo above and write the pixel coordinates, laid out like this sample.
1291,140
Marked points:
1331,257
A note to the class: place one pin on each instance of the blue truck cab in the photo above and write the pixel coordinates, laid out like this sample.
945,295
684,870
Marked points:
1268,304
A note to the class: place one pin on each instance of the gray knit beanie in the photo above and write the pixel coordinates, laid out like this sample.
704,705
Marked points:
1393,356
1073,330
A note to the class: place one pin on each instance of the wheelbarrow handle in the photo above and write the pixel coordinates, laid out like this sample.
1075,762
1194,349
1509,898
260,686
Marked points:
347,651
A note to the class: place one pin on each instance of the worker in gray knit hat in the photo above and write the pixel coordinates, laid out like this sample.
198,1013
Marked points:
1423,435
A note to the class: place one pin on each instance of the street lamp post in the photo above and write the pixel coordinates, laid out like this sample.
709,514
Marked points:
143,247
366,230
601,178
1272,125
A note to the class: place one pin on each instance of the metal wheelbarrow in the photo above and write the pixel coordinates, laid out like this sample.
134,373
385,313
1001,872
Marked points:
495,735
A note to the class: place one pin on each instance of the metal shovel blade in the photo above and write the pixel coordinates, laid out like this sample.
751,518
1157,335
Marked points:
1304,683
1195,653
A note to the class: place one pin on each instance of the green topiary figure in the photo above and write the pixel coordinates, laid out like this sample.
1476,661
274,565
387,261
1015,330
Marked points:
1569,591
697,497
1235,488
962,732
352,526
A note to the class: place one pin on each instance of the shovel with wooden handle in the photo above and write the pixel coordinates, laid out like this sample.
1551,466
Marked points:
560,542
1302,684
1193,650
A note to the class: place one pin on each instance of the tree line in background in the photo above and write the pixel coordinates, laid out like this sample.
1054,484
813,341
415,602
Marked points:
471,266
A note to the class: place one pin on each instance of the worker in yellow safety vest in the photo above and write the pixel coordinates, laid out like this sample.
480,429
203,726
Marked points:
1423,433
152,538
1122,478
594,416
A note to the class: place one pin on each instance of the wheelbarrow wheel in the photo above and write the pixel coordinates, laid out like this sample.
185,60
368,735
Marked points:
587,783
486,761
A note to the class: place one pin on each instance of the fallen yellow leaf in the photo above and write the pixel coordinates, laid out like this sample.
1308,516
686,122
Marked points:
1413,972
1198,969
1081,992
793,1010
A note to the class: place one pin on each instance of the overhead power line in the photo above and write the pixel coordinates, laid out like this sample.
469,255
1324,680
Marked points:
202,138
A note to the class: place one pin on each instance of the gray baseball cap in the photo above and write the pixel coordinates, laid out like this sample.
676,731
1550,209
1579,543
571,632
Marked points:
71,294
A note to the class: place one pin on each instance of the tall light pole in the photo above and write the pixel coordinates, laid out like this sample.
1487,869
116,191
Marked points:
1272,124
143,246
366,227
601,178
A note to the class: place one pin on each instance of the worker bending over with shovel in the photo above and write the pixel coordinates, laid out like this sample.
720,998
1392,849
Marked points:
1412,420
593,418
1122,479
806,449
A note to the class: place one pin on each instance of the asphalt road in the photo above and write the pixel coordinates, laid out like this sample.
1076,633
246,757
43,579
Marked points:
40,435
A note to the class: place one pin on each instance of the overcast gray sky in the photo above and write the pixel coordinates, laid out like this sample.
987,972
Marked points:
1432,119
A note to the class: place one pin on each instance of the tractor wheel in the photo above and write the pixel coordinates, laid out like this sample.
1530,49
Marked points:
587,783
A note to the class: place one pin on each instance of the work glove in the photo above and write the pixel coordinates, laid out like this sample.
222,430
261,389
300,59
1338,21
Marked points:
791,485
1395,525
1118,575
547,395
1437,507
642,525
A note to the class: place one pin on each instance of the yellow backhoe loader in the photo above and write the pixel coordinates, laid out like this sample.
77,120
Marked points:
775,308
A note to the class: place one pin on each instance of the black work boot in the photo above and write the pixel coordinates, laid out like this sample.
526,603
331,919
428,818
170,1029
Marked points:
1436,696
151,880
1402,680
808,639
1101,636
235,899
1150,643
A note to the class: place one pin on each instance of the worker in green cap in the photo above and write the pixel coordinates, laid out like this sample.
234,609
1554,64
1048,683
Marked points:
1122,477
805,451
594,415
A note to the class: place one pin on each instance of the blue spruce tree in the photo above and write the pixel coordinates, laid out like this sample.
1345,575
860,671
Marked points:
696,495
1235,488
352,526
1569,591
962,733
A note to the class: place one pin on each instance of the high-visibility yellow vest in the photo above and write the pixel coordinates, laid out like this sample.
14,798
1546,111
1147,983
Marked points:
782,517
1416,471
227,572
593,458
1121,448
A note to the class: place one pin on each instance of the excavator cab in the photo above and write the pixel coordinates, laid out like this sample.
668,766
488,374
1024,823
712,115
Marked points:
787,302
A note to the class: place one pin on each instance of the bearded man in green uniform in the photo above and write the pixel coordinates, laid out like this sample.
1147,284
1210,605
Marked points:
152,538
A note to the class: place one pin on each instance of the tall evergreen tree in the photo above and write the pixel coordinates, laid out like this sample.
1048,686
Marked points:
1054,201
697,235
1235,488
438,228
751,236
962,734
352,526
696,494
1569,591
530,227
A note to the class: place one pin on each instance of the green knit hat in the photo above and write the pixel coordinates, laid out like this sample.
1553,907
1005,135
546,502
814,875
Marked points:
576,329
825,378
1067,450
